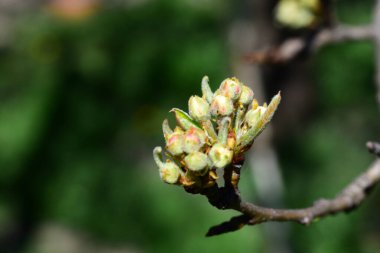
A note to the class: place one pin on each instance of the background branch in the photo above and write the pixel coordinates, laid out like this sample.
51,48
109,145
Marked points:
293,47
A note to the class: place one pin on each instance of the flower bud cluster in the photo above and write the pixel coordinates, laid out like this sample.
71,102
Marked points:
220,127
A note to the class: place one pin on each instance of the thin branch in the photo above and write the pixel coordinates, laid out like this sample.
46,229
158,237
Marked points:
293,47
348,199
235,223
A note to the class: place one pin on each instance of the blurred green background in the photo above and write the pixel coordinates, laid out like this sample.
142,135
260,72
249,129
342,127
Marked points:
83,92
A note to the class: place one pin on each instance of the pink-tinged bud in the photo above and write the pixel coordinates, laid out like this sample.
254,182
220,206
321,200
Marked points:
194,140
169,172
221,106
220,155
230,88
174,143
246,95
199,109
253,116
197,162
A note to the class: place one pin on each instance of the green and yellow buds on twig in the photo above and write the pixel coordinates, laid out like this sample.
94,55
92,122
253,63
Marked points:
219,128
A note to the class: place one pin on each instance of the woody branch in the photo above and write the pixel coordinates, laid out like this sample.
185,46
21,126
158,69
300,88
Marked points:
348,199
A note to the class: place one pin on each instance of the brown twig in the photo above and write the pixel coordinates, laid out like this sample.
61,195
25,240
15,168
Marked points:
293,47
349,198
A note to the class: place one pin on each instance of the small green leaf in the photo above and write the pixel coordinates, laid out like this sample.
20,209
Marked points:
184,120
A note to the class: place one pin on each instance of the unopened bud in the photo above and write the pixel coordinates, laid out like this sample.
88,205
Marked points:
197,162
169,172
253,116
221,106
246,95
220,155
174,143
230,88
199,109
194,139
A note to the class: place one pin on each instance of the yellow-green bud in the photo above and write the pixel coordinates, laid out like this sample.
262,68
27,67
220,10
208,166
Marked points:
253,116
230,88
169,172
220,155
246,95
199,109
197,162
221,106
194,139
174,143
295,14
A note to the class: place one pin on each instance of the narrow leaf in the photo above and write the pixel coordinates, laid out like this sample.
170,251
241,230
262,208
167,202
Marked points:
184,120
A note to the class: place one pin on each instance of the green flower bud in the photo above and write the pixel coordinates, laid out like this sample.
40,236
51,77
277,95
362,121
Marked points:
220,155
199,109
246,95
296,14
221,106
174,143
197,162
194,140
169,171
253,116
230,88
